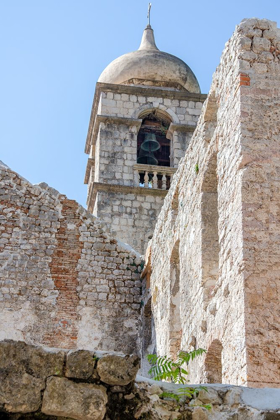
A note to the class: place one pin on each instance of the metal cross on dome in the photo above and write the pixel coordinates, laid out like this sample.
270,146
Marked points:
149,13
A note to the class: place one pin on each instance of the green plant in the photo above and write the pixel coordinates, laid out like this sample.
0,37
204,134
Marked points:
165,368
196,168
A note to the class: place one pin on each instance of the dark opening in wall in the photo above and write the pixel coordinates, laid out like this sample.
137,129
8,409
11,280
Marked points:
153,148
213,363
175,327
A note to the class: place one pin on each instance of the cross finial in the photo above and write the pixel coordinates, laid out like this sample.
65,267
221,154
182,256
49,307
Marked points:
149,14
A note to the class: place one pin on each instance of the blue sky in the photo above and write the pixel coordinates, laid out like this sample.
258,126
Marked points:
53,51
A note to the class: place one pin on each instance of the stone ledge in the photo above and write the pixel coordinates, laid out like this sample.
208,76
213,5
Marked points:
151,91
123,189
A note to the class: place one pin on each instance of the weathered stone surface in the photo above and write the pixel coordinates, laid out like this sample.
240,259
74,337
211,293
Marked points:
17,356
65,398
20,392
64,281
200,414
80,364
215,250
117,370
209,396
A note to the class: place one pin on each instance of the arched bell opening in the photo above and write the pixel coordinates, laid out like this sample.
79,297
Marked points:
153,148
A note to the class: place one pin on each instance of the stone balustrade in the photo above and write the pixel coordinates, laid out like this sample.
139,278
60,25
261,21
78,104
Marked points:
152,176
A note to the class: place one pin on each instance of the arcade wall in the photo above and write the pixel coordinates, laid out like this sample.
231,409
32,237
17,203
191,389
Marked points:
214,256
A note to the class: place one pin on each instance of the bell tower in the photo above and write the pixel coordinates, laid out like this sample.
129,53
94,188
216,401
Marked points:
145,109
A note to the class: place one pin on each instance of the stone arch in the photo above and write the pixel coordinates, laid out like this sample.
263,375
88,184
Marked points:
213,363
153,146
210,247
161,110
175,327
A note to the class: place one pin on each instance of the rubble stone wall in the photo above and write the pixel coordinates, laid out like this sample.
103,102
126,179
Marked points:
54,384
64,281
222,214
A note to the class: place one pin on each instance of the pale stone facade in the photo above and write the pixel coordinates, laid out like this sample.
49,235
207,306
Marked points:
64,282
214,258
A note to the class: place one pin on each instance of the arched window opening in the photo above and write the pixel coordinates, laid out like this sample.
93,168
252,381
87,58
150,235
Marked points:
213,363
210,238
175,327
153,148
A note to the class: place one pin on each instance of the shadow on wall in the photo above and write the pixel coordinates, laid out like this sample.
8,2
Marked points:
148,337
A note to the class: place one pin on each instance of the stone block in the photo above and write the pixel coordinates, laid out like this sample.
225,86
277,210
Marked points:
209,397
78,401
20,392
80,364
17,356
261,44
117,370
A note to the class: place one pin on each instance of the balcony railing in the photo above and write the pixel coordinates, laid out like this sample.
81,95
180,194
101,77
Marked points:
152,176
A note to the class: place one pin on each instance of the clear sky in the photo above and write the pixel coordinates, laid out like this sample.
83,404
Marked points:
53,51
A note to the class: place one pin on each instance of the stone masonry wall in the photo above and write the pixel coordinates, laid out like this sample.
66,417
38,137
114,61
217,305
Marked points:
131,216
119,117
221,216
64,281
83,385
112,145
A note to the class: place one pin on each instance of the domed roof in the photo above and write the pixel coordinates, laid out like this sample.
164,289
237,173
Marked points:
150,66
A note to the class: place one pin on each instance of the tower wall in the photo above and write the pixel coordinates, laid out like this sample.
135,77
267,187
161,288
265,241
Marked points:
222,213
115,193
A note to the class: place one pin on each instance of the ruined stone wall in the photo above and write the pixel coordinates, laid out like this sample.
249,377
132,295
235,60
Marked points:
64,281
221,216
84,385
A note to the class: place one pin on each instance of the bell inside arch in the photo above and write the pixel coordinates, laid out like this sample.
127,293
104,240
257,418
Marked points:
150,144
147,158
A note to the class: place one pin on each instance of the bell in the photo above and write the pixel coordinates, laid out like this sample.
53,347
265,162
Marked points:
150,144
147,159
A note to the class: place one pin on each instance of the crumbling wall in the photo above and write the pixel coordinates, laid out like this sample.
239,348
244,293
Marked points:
83,385
64,282
223,208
